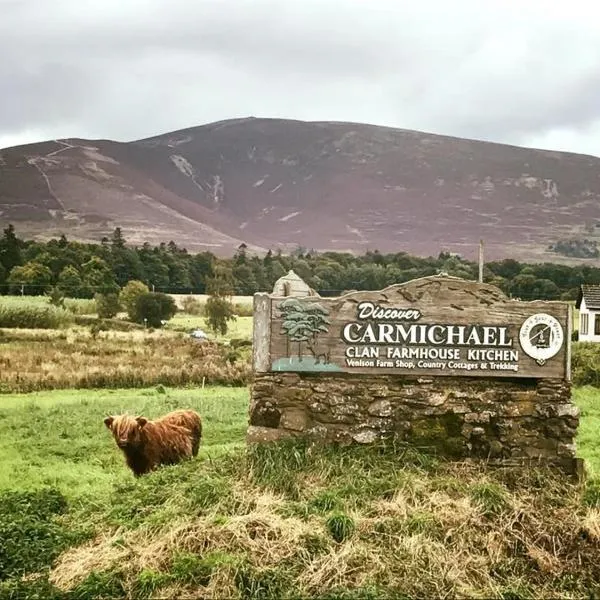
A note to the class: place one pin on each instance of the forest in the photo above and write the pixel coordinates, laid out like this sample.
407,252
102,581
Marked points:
80,270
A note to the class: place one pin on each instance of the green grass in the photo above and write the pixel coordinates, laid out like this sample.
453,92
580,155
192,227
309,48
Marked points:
588,437
283,522
58,438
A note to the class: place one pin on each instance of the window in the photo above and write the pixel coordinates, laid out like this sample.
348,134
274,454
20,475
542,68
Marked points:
584,324
597,325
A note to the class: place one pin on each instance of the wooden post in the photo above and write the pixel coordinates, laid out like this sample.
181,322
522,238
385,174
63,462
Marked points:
261,333
480,261
568,334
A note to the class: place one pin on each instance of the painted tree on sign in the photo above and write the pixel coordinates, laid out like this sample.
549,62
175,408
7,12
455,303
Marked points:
302,323
318,321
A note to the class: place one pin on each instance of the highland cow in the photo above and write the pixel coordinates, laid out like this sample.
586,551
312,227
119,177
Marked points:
149,444
191,421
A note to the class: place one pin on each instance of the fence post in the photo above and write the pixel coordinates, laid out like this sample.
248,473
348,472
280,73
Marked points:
261,333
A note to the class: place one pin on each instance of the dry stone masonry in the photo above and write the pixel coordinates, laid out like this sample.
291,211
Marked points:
509,416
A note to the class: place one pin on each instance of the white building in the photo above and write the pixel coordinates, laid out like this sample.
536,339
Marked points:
588,303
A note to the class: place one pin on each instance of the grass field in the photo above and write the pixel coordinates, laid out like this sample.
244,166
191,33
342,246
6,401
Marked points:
236,522
335,523
58,438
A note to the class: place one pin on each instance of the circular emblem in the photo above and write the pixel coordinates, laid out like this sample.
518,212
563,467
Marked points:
541,337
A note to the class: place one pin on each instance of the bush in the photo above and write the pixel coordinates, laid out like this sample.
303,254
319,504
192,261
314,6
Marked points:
96,327
243,310
585,364
33,316
153,308
129,295
192,306
107,305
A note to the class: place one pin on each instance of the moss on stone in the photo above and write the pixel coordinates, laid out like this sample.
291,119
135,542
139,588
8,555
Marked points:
441,432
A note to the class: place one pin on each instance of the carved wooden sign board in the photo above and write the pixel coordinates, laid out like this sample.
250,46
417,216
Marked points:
437,325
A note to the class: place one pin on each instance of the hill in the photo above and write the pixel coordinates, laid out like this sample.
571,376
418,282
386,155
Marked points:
323,185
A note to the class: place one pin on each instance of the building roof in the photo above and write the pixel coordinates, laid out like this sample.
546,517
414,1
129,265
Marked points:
591,294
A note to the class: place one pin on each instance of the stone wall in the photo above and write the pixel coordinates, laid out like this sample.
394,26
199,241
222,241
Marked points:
507,421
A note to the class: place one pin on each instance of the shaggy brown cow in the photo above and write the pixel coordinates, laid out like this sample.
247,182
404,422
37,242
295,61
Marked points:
190,420
148,444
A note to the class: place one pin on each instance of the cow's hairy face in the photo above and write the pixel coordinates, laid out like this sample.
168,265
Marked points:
126,430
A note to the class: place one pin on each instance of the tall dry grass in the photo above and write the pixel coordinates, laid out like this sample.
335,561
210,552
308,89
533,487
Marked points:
300,522
33,360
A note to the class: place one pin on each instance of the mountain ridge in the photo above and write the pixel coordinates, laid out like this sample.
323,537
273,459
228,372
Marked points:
324,185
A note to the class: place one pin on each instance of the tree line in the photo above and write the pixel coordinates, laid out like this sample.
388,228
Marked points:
80,270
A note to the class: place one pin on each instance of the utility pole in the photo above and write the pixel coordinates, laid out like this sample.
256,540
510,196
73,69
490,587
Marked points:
480,261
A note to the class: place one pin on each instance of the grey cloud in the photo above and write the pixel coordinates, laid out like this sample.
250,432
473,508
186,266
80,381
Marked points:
126,69
42,93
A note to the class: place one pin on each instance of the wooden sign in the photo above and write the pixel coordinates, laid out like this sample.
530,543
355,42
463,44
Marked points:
437,325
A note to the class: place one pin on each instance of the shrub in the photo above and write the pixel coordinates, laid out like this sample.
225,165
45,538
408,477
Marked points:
107,305
81,306
97,326
117,360
153,308
192,306
129,295
243,310
585,364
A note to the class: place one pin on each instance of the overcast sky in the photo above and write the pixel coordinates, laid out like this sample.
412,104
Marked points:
525,72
